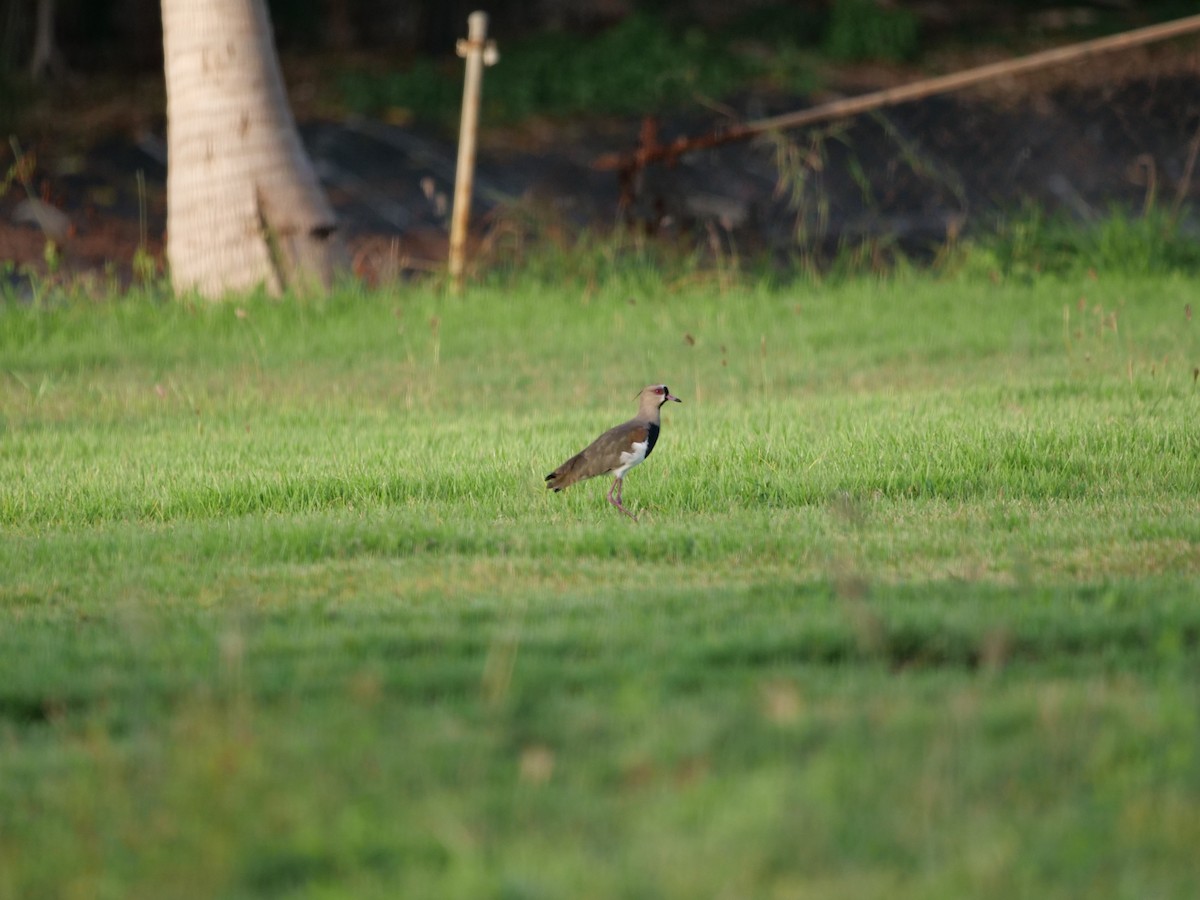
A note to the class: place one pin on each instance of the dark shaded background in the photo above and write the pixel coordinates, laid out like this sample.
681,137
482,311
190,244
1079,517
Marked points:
108,35
1118,132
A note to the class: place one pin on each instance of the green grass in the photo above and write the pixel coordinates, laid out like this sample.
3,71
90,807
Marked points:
285,610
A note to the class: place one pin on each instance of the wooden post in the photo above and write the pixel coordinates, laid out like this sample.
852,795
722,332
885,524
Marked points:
479,52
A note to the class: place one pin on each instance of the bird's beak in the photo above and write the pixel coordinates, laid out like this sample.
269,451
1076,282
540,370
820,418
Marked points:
673,397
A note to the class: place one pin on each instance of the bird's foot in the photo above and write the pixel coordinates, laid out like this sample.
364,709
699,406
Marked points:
616,501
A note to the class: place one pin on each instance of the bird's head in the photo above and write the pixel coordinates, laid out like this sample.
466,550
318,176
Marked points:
657,395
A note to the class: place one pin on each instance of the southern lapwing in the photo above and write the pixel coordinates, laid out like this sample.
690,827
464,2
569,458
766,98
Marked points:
617,450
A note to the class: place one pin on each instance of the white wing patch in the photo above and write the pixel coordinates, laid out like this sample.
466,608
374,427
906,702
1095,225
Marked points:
631,457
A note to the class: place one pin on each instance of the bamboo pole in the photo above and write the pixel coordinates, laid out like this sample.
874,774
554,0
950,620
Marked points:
478,52
850,106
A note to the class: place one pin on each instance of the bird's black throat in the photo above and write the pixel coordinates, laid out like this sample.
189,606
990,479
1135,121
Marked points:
651,436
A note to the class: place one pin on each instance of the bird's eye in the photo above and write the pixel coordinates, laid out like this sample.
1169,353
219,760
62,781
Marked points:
658,390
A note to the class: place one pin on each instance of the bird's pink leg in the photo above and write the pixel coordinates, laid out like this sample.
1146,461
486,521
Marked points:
618,485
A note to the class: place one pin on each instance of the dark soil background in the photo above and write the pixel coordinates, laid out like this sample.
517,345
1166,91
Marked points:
1077,141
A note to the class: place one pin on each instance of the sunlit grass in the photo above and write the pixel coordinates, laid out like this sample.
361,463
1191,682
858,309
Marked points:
285,609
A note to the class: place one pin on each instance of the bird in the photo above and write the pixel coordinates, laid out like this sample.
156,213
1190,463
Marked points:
619,449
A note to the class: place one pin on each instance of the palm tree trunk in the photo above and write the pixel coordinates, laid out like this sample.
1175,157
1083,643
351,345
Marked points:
244,207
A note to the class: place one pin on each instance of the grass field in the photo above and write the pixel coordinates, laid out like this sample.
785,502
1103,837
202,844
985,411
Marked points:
911,610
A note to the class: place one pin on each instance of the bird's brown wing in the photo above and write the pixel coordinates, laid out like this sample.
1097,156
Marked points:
600,456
